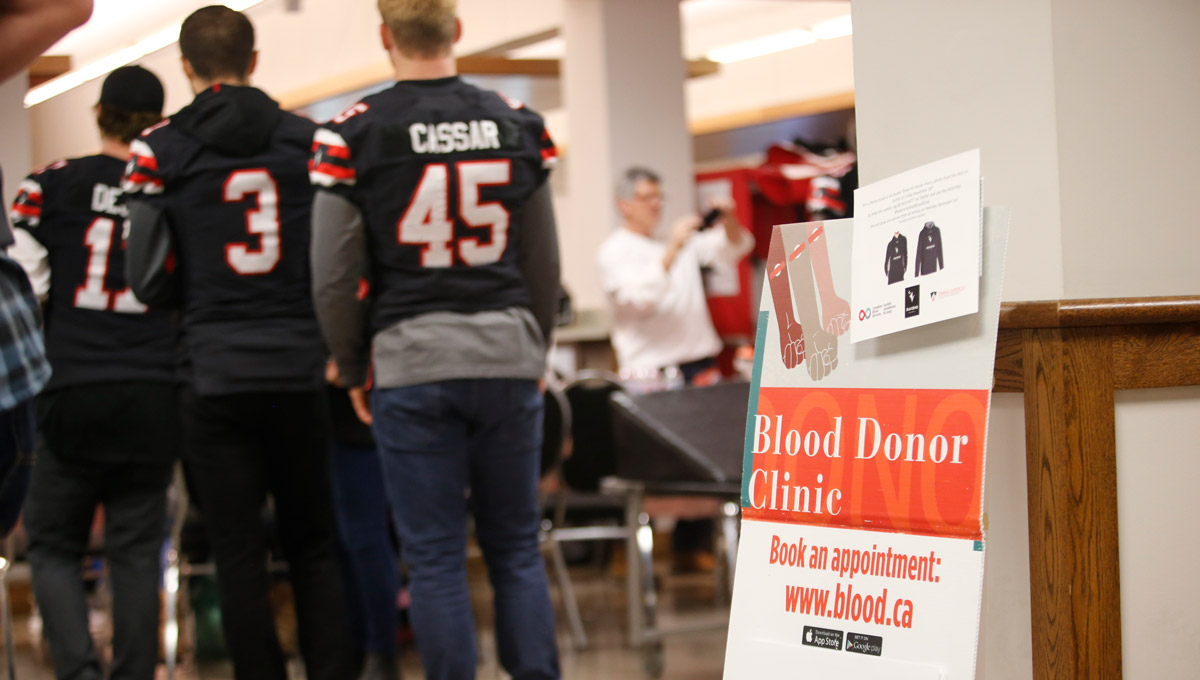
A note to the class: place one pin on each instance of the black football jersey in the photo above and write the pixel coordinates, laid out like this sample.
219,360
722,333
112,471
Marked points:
230,173
441,171
96,330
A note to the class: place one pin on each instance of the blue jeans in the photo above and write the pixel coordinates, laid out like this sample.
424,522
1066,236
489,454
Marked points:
469,445
369,568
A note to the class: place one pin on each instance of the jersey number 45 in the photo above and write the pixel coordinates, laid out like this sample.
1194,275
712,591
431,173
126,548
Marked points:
426,221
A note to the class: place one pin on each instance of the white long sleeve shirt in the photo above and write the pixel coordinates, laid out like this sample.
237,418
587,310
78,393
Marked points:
660,317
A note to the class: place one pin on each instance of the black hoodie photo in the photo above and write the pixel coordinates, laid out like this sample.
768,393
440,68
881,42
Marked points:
896,260
929,250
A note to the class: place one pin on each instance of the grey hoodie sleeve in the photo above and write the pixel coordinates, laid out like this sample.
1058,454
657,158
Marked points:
339,264
538,259
149,246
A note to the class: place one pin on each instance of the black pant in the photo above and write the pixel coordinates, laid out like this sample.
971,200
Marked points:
109,444
239,448
16,457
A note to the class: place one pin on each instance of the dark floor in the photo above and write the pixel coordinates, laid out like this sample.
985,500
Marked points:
684,599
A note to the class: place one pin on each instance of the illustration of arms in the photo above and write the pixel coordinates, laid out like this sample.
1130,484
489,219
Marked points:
835,311
820,345
791,335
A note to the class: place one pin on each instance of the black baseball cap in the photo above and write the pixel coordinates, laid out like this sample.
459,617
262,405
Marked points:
133,89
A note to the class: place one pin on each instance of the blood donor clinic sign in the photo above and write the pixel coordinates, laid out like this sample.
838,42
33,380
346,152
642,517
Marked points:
892,460
862,546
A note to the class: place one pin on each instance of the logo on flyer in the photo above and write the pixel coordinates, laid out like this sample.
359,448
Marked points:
824,638
864,644
912,301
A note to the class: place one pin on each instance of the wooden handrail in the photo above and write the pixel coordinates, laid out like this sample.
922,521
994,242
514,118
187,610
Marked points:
1099,312
1069,357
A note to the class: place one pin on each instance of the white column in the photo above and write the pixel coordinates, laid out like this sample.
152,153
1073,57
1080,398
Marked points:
14,120
623,84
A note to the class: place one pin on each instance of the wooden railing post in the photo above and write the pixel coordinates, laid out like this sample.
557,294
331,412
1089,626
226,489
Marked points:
1070,437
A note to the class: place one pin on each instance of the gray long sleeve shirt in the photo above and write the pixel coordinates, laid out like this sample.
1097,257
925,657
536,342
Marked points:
436,346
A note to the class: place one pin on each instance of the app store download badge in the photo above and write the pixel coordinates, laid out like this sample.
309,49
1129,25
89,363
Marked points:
824,638
864,644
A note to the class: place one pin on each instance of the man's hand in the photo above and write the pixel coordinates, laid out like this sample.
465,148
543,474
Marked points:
361,404
358,395
683,229
331,373
680,233
728,218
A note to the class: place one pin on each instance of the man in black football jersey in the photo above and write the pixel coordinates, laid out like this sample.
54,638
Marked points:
108,420
439,189
219,208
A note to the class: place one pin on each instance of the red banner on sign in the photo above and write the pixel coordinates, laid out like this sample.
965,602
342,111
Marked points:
889,460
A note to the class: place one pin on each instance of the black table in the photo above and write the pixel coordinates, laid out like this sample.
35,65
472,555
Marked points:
689,438
678,442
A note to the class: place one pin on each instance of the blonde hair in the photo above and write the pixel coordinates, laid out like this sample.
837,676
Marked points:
421,28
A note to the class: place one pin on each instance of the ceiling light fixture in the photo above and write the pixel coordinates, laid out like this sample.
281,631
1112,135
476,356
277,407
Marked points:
105,65
833,28
778,42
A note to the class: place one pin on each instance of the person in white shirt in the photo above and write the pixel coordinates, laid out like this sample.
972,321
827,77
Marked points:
660,317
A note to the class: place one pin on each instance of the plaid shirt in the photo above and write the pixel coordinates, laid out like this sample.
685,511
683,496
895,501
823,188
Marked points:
23,366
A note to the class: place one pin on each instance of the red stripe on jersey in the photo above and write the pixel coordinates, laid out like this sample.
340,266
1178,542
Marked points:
336,151
547,154
364,289
139,178
27,210
334,171
145,162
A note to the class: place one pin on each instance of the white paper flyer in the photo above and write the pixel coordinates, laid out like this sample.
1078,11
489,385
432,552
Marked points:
916,248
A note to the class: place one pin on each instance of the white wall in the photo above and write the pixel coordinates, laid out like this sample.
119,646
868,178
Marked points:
1157,504
1086,115
1128,108
14,152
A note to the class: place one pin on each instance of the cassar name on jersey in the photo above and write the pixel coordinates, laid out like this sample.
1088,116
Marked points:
454,136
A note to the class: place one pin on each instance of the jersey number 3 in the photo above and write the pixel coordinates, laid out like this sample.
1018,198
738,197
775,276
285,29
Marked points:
427,221
262,221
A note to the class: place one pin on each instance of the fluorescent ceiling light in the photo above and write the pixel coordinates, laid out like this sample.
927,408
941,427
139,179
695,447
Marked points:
105,65
760,46
778,42
833,28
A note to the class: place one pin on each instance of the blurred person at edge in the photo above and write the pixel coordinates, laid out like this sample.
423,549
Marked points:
27,28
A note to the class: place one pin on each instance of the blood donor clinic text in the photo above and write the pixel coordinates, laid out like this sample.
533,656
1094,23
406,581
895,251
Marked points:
897,460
